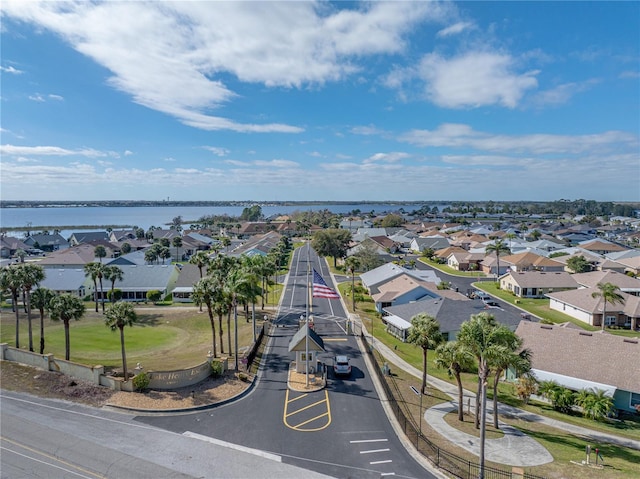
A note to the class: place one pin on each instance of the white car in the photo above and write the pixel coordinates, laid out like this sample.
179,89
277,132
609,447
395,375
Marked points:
341,367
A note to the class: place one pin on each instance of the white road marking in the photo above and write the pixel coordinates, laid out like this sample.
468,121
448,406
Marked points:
372,451
368,440
380,462
237,447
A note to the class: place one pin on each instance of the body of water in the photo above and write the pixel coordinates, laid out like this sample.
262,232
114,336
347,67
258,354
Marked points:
144,217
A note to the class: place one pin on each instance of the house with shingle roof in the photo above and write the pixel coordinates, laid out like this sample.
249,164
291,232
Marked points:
578,359
87,237
536,284
600,246
138,280
76,257
51,242
528,261
581,305
434,242
626,283
400,290
464,260
373,279
67,280
9,245
450,312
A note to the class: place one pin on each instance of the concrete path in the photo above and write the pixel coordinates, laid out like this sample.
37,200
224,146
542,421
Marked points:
513,449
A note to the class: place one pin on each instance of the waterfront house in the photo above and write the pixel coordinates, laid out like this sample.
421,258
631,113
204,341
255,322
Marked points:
46,242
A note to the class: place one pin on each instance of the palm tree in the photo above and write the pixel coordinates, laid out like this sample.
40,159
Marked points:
177,243
40,300
521,362
201,260
486,340
100,252
32,274
11,280
251,267
91,270
595,404
235,287
455,358
498,247
352,263
204,293
65,308
118,316
608,292
425,333
226,242
113,273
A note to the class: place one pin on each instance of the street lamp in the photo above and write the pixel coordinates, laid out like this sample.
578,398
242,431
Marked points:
420,420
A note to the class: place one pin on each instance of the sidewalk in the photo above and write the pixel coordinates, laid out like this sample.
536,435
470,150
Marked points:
513,448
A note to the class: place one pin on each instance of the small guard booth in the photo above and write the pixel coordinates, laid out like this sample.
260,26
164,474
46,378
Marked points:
299,345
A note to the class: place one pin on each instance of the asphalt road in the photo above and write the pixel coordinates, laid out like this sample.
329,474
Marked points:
51,439
341,431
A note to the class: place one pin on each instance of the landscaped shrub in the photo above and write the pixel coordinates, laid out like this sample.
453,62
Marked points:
141,381
216,369
115,295
525,387
154,295
562,399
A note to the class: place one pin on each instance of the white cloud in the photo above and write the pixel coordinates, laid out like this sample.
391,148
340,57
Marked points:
455,29
366,130
474,79
37,97
11,70
127,153
50,151
169,56
463,136
55,97
392,157
217,150
563,93
629,74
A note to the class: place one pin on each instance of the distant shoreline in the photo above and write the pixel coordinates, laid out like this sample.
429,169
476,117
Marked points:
165,203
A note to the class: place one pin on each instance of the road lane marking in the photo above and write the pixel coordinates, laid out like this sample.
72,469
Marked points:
372,451
308,406
311,420
327,340
388,474
298,397
368,440
230,445
381,462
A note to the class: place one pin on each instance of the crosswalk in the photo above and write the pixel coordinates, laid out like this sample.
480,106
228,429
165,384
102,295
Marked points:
376,452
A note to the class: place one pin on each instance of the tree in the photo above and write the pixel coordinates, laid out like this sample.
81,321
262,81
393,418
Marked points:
392,221
154,295
351,264
177,243
201,260
100,252
32,275
65,308
520,362
455,358
226,242
235,286
40,299
11,280
424,333
578,264
332,242
91,270
608,292
150,255
204,292
562,399
113,273
118,316
252,267
486,340
20,254
498,247
125,248
368,257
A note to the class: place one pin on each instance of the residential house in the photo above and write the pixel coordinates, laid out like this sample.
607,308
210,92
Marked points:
381,245
138,280
464,260
583,306
601,247
259,244
353,224
9,245
489,265
527,261
400,290
578,359
73,258
535,284
117,236
87,237
450,312
626,283
67,281
188,276
50,242
374,278
435,243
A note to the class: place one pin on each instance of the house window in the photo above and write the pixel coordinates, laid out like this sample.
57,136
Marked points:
634,400
610,321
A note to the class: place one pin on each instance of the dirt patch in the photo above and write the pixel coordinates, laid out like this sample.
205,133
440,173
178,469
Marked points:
51,384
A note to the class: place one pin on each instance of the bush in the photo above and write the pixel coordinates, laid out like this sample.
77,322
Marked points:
141,381
216,369
154,295
115,295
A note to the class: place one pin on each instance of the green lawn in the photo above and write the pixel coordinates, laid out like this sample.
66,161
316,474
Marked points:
165,338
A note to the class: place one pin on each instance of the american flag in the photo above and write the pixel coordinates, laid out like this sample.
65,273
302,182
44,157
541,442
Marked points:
320,288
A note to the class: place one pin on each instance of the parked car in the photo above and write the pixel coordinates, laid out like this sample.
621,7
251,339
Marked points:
491,304
341,366
481,295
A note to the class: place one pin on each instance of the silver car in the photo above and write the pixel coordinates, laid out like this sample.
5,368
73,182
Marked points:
341,367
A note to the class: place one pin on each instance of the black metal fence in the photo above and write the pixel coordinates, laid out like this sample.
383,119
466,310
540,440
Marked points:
445,460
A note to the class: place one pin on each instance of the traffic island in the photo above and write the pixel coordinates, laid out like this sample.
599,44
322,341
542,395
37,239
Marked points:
297,381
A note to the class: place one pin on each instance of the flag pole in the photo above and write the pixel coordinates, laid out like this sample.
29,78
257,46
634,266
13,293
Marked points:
306,339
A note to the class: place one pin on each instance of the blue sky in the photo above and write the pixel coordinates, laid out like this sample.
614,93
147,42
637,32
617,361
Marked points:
320,101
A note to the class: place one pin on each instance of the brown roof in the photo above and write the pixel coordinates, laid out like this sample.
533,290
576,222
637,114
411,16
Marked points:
592,278
591,356
540,279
